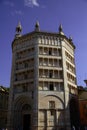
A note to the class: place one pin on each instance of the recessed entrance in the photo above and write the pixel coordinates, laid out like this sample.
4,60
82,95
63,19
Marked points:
26,122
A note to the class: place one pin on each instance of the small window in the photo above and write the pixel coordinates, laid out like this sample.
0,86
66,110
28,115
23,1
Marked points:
16,78
50,52
51,105
50,74
51,112
51,87
25,76
25,88
16,66
26,65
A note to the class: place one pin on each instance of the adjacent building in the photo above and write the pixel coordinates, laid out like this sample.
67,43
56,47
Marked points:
4,94
82,94
43,81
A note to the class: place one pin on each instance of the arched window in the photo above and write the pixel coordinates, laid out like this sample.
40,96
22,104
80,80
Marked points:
26,107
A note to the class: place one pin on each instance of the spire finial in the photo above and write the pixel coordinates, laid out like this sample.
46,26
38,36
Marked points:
61,30
85,82
37,27
70,38
18,29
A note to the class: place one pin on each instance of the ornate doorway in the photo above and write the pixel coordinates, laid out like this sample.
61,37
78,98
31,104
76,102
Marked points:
26,109
26,122
22,116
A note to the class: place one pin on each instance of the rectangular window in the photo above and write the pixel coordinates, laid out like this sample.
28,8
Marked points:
51,105
51,87
52,112
25,88
50,51
50,74
26,65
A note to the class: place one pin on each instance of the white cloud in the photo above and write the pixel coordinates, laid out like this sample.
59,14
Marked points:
8,3
34,2
31,3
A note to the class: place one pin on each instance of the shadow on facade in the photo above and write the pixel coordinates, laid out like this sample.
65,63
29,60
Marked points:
69,118
74,113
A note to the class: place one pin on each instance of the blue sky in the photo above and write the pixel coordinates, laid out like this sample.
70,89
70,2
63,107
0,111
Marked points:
50,13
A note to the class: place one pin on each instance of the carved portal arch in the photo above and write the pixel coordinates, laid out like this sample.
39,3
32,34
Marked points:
22,106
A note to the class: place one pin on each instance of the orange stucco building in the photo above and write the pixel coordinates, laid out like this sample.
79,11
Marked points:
83,107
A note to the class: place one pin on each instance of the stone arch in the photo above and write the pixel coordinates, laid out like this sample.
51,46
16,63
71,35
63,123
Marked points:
58,99
22,105
26,107
45,100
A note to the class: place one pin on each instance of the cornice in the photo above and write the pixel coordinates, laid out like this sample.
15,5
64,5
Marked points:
45,33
